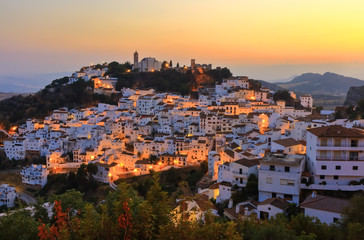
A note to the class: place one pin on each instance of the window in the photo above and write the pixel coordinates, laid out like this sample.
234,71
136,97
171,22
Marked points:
355,167
337,142
269,180
354,143
336,177
288,197
274,194
286,169
241,181
271,168
240,171
287,182
335,220
353,156
323,142
323,167
322,176
337,167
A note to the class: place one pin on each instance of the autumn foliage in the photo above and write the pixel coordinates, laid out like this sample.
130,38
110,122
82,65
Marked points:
61,227
125,221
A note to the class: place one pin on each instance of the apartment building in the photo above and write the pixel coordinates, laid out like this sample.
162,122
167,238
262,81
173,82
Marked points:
280,176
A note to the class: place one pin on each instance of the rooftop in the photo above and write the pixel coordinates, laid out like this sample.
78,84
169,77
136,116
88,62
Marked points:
282,159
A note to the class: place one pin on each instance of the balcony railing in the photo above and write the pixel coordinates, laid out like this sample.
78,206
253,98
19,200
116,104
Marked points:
319,158
339,146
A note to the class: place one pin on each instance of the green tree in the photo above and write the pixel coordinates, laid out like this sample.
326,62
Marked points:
284,95
18,225
71,199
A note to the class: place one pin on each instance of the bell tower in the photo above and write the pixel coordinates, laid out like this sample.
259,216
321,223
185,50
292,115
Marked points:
136,60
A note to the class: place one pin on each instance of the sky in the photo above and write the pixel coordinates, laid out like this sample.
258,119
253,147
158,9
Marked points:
266,39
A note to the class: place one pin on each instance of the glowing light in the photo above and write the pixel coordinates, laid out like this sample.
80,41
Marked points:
92,157
14,128
160,163
135,170
150,167
110,174
253,98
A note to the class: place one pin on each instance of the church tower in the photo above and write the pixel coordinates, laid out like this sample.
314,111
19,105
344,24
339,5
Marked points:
136,60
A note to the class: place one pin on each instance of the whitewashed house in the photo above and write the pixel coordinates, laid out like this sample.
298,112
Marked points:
35,175
327,209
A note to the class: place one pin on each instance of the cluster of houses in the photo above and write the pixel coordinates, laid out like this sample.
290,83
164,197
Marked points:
237,128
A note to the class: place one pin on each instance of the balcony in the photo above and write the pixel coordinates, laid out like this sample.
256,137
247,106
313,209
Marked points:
325,158
332,146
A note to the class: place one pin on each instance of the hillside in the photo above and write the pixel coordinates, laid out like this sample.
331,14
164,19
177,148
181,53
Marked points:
271,86
327,84
354,95
17,109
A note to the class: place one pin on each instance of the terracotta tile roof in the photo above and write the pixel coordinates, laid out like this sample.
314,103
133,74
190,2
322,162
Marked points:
277,202
336,131
224,183
287,142
246,162
325,203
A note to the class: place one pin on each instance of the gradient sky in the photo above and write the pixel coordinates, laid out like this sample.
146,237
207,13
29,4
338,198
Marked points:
264,39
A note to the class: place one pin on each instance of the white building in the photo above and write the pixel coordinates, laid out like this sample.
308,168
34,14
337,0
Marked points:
238,172
271,207
7,195
35,175
15,148
327,209
335,156
280,176
149,64
306,101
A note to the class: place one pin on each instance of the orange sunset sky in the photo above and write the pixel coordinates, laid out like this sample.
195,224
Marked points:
264,39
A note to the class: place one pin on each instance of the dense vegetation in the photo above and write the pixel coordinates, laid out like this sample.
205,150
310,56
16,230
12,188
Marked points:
126,215
171,80
284,95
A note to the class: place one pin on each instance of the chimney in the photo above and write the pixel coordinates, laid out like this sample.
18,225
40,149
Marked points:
314,194
246,210
230,203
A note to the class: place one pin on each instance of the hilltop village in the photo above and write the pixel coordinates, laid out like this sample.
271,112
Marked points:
239,130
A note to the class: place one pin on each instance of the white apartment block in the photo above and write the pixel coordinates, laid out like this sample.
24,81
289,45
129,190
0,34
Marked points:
7,195
335,156
145,105
15,148
35,175
280,176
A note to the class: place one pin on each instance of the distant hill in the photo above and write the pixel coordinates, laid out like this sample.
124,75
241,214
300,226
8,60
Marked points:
328,84
9,95
271,86
354,95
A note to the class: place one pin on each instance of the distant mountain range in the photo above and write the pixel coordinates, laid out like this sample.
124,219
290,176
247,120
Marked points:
327,84
28,83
